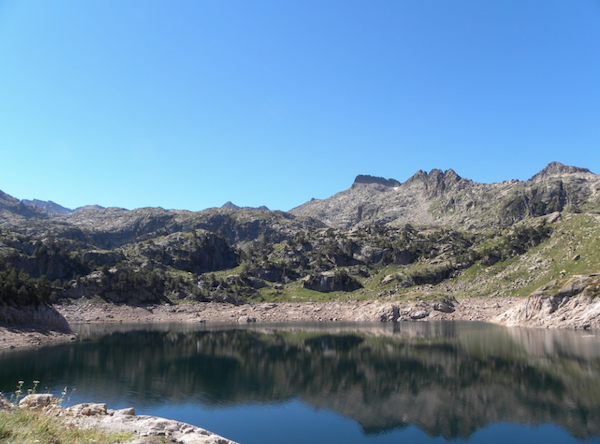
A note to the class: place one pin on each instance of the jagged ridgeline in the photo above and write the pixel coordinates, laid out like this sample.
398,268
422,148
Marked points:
436,233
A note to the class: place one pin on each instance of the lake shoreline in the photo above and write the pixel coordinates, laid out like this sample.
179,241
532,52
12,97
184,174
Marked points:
471,309
572,309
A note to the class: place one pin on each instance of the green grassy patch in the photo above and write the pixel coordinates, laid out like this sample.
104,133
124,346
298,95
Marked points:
29,427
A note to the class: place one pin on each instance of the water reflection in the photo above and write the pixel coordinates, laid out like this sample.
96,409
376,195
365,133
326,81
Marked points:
448,379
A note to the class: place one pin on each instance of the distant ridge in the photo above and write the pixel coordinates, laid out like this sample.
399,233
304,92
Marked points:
15,206
231,206
444,198
88,208
49,206
437,197
557,169
54,208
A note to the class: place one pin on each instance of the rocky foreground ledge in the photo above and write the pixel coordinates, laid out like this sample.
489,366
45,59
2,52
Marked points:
146,429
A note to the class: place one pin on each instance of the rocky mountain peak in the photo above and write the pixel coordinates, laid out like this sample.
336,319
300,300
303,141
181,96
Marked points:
366,179
558,169
231,206
436,180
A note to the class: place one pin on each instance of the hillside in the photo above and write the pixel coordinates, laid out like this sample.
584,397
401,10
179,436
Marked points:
436,234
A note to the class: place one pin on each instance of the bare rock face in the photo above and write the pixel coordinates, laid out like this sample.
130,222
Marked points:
366,179
44,316
565,303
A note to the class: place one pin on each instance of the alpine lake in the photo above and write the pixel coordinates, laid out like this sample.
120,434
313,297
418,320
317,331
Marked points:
408,382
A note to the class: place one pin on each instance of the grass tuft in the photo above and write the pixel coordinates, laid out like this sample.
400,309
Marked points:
29,427
24,426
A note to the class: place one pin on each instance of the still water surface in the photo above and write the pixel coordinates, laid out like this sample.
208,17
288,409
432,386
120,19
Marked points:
430,382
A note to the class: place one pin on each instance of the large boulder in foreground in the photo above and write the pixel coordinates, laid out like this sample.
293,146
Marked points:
562,303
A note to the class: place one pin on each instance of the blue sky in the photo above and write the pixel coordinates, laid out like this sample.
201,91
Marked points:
190,104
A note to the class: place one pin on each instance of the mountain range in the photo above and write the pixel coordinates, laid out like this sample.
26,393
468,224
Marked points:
437,197
444,198
434,233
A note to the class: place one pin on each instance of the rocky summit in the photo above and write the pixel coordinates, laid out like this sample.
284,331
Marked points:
433,237
443,198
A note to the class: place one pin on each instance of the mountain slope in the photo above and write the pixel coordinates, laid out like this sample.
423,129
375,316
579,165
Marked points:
446,199
11,206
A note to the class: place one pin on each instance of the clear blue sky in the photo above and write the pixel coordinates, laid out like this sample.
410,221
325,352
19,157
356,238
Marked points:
189,104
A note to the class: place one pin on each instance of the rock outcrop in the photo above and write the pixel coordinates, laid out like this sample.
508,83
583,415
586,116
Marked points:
97,415
331,281
44,317
366,179
566,303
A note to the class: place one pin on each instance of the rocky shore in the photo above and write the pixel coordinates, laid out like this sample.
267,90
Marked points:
482,309
568,303
564,303
145,429
31,335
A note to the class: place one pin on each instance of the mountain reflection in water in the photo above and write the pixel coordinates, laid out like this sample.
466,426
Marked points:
449,379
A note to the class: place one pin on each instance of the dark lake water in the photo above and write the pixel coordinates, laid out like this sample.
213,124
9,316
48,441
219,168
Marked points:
429,382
